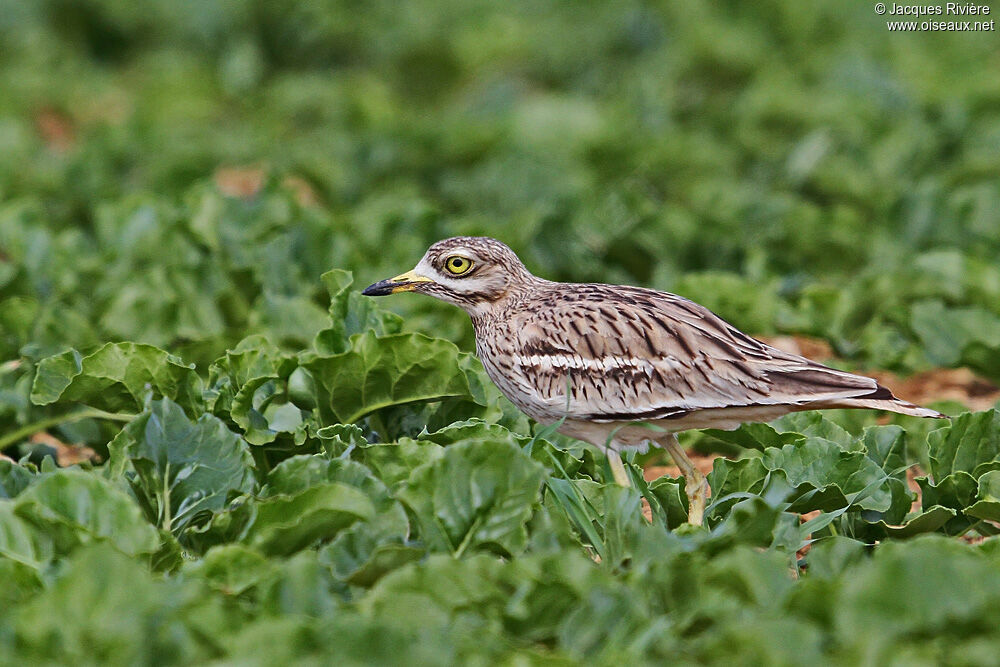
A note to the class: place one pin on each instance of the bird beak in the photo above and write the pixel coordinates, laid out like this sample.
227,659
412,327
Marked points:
406,282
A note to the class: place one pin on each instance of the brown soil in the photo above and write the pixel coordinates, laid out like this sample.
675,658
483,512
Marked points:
66,454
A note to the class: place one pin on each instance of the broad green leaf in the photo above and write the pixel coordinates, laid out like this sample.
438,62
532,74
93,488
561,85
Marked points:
814,424
970,444
810,474
22,541
886,446
18,583
343,637
956,491
926,587
927,521
76,507
117,377
285,524
254,358
351,313
429,592
292,320
393,462
250,385
184,469
364,553
756,436
832,556
300,586
751,521
470,429
105,606
340,438
948,334
13,479
232,568
377,373
763,641
987,505
380,537
670,492
739,476
820,463
478,494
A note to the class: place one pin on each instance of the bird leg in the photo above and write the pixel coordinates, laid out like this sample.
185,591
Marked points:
695,484
618,468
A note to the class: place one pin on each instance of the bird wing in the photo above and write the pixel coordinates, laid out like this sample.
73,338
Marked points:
609,353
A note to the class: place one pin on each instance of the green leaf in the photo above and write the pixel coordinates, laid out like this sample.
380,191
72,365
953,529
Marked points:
832,556
970,444
250,386
926,587
949,334
820,463
927,521
22,541
292,320
245,383
340,438
886,446
377,373
810,474
365,552
670,492
814,424
301,586
184,469
429,592
351,313
987,505
470,429
18,582
76,507
756,436
116,377
13,479
479,494
232,568
105,606
286,524
394,461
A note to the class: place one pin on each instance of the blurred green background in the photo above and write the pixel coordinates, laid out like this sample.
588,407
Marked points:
181,172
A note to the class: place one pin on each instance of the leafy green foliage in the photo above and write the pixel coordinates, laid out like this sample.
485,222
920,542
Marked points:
182,468
480,493
115,377
286,473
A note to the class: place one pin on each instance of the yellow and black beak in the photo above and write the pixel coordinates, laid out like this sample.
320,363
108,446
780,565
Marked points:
406,282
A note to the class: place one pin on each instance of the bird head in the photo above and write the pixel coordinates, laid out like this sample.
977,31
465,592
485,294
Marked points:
468,271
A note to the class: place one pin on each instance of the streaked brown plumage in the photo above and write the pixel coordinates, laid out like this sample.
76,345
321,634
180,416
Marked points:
611,360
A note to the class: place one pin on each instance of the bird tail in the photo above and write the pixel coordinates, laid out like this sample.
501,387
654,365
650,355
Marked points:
882,399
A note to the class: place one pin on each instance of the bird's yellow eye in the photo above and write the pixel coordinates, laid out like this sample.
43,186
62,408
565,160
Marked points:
457,265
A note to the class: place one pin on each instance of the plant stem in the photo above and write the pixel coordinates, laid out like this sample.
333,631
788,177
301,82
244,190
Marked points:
42,424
